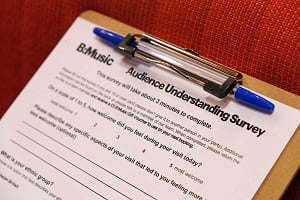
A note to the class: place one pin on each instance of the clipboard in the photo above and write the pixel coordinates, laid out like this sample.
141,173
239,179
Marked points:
287,164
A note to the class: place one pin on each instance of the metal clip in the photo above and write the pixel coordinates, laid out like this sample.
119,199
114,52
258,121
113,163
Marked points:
215,78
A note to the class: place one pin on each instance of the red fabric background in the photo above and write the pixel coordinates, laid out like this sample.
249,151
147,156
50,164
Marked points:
259,38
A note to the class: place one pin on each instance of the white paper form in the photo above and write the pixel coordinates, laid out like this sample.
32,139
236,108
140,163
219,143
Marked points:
93,124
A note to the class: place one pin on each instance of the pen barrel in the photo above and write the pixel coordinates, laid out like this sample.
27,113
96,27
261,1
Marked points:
188,66
217,84
215,78
192,56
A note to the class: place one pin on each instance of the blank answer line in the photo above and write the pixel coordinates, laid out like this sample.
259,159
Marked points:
58,142
73,164
57,168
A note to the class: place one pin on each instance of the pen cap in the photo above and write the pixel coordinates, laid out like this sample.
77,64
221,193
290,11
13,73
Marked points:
108,36
253,100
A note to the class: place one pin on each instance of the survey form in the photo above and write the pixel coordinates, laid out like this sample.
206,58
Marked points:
93,124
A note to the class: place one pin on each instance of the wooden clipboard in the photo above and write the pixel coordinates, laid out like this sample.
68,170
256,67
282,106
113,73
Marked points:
287,164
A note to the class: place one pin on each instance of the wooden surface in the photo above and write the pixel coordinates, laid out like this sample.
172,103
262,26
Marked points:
287,165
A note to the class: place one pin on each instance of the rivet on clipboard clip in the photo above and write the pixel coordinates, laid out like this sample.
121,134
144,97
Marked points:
215,78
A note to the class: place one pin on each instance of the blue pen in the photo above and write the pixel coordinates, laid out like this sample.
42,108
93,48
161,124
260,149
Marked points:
215,78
